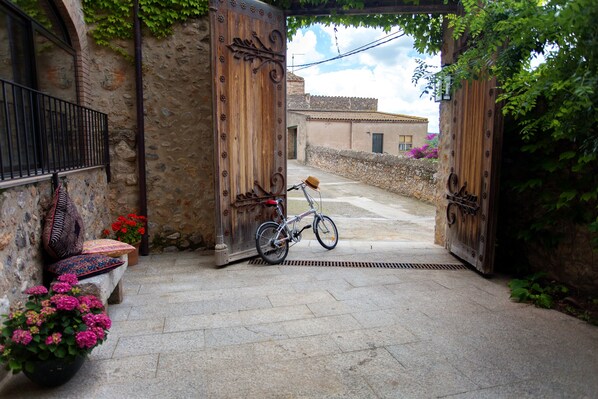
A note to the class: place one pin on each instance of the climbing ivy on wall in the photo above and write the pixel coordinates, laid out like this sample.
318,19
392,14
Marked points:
112,20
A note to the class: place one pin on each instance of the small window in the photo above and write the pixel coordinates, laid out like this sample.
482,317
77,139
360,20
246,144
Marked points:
377,142
405,143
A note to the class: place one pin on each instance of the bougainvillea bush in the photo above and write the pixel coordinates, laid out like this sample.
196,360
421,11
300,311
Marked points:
59,323
428,150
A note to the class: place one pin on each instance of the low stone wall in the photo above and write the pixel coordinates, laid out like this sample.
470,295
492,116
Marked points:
413,178
22,213
23,210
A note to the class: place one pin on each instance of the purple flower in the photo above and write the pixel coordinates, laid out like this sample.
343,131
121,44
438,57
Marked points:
68,278
37,290
61,288
21,337
86,339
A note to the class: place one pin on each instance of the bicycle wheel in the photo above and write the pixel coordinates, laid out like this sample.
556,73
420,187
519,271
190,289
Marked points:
272,246
326,232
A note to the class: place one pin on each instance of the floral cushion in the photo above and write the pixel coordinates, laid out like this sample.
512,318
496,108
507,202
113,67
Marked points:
85,265
63,229
106,246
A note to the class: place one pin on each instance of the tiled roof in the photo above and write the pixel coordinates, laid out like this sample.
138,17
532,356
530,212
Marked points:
369,116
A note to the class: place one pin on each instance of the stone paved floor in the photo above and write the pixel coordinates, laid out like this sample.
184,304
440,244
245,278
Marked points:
189,330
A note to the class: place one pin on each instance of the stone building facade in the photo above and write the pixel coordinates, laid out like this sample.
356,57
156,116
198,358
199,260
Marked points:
346,123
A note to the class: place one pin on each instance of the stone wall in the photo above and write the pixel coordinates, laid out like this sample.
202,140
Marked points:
178,134
344,103
413,178
22,212
334,103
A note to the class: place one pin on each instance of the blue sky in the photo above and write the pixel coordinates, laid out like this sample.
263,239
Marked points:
383,72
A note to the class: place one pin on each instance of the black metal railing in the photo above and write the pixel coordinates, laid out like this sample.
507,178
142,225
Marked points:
44,135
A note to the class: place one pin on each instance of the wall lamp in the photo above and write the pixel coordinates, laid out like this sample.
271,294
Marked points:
442,88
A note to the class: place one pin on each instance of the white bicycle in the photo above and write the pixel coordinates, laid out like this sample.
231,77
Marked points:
273,239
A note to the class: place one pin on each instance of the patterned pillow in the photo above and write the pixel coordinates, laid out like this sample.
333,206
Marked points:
106,246
63,229
85,265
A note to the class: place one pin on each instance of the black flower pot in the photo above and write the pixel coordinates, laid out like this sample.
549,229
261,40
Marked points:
54,372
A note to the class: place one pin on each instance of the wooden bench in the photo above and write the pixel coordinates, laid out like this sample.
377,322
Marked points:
108,287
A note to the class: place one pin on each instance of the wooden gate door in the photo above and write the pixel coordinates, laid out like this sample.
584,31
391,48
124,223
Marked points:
473,182
249,86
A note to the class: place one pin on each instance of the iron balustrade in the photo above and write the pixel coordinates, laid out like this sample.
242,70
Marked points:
44,135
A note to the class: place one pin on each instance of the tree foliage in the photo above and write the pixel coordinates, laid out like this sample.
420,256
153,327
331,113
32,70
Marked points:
545,57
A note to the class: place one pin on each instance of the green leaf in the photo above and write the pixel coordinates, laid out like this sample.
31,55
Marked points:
544,301
520,294
60,353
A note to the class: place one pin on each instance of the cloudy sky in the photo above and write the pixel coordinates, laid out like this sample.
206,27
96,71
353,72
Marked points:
383,72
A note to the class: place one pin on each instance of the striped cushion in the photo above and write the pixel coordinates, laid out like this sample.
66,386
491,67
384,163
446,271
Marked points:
106,246
85,265
63,229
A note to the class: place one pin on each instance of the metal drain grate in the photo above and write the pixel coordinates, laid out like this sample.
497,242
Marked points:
383,265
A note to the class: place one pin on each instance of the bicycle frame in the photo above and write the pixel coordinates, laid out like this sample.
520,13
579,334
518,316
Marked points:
289,225
273,238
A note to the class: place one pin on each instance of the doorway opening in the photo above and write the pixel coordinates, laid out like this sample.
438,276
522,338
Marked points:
342,109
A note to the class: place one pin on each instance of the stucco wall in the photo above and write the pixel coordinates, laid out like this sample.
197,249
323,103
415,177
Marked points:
413,178
353,135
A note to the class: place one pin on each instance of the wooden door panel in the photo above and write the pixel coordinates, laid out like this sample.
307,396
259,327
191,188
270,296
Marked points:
248,67
473,183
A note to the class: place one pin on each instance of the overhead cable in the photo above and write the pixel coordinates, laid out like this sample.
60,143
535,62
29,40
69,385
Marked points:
368,46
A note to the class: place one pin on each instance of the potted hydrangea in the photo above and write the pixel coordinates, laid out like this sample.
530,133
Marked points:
50,336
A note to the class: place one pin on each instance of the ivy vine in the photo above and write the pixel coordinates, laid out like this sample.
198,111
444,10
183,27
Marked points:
112,20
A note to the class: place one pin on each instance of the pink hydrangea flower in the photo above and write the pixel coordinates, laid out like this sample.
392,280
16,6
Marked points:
34,318
47,311
21,337
86,339
2,348
92,301
61,288
65,302
97,320
54,339
89,320
99,332
37,290
68,278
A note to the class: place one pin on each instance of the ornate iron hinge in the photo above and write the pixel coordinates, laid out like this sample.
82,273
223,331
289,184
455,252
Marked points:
459,198
254,198
249,51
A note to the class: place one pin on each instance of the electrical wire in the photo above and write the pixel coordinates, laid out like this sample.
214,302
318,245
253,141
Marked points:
388,38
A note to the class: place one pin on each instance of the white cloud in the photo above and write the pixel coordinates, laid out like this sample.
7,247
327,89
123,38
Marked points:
384,72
